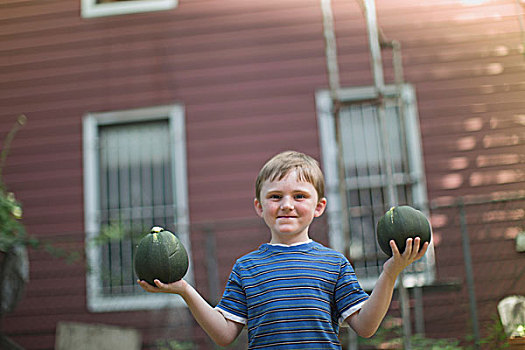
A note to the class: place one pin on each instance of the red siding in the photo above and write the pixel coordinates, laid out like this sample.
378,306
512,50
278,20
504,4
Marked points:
246,72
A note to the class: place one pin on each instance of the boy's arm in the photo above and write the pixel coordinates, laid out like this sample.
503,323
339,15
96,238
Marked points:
219,328
367,320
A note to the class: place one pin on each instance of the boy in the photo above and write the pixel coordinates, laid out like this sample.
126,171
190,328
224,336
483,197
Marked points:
292,292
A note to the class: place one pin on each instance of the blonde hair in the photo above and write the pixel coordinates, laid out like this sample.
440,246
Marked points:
306,167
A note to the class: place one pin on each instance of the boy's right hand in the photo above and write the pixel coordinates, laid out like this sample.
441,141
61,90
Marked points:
159,287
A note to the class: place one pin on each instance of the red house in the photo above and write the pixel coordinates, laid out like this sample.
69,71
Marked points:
161,112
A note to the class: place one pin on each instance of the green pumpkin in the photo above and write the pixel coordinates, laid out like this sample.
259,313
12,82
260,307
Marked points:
399,224
160,255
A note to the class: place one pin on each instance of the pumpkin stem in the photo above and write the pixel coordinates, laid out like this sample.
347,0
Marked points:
392,214
156,229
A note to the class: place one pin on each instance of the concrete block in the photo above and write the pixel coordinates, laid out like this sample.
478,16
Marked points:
520,242
82,336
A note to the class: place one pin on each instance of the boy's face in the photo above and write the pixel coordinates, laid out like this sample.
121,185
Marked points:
288,206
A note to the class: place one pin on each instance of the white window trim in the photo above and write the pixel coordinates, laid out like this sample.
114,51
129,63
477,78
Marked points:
90,8
96,301
329,152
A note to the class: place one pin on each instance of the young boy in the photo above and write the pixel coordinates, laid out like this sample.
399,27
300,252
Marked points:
292,293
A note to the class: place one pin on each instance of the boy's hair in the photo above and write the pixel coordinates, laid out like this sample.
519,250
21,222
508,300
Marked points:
306,167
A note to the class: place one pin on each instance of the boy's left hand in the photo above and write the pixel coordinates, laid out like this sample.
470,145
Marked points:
398,262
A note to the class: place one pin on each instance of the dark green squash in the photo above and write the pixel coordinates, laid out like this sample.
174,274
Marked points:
399,224
160,255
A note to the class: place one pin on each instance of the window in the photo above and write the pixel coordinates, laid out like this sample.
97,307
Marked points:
134,178
99,8
366,184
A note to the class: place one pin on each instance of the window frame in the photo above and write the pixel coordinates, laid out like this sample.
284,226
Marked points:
174,114
329,152
90,8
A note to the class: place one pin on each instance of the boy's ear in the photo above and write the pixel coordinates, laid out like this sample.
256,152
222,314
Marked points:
258,207
321,206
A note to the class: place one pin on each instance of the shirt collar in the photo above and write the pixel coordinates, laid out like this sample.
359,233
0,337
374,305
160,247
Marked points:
290,245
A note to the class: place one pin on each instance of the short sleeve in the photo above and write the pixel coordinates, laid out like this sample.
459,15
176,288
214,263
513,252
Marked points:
349,296
233,302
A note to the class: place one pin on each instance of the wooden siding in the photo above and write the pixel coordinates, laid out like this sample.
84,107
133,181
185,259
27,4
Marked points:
246,72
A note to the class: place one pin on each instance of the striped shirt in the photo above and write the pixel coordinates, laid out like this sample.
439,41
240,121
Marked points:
292,297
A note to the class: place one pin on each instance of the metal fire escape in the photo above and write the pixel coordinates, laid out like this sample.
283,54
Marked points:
377,41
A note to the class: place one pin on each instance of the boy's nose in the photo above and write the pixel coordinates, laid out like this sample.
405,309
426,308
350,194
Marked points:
286,204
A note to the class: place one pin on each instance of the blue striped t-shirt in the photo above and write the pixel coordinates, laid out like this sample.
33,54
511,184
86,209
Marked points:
292,297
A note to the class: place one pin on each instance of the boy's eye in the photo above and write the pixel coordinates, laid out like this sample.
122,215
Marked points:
300,196
274,196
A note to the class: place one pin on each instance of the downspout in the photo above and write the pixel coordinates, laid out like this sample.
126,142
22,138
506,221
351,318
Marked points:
334,84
